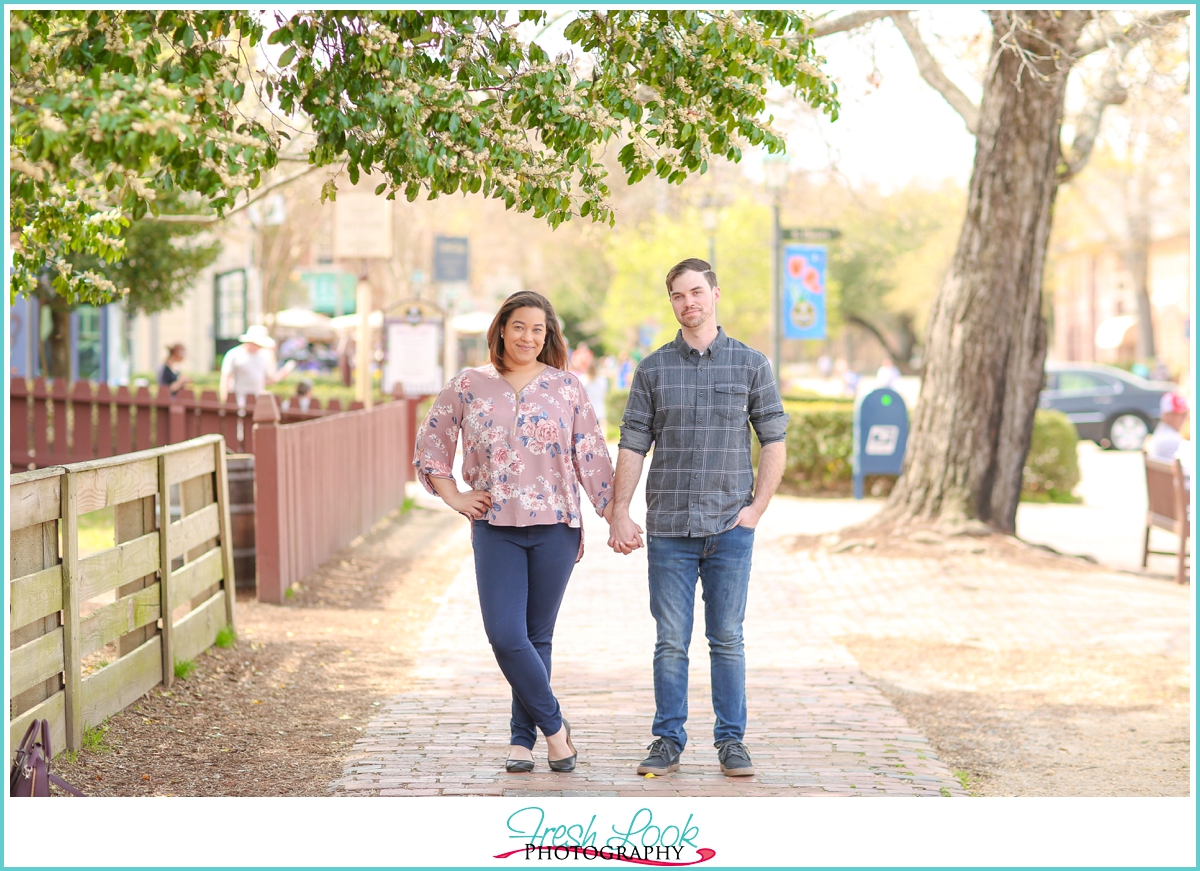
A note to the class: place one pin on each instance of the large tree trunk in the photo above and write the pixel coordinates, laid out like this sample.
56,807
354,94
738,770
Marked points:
986,343
1137,262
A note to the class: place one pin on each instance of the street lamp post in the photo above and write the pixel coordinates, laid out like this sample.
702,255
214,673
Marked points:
775,170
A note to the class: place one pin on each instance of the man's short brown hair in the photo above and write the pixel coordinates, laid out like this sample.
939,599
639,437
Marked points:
692,264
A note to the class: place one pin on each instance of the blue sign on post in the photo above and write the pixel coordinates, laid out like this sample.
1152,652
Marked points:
803,313
880,435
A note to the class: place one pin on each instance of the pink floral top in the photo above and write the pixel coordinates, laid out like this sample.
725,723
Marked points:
531,452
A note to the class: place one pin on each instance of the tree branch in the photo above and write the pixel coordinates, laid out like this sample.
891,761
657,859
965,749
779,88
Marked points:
876,332
827,26
1135,31
258,195
932,73
1110,92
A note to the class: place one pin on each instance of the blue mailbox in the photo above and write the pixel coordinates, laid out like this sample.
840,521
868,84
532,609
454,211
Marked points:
880,435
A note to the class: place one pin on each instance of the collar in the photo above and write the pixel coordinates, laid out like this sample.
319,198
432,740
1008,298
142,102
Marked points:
685,350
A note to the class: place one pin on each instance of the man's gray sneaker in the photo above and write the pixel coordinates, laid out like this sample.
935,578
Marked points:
663,758
735,759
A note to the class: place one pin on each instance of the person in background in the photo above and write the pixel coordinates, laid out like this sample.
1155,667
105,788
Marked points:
888,375
825,365
850,380
597,391
171,375
624,371
303,397
248,368
1173,411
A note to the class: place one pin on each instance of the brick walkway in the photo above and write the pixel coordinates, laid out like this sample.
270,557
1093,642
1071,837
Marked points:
817,725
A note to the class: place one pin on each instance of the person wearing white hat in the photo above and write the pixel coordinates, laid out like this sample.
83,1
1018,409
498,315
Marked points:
248,368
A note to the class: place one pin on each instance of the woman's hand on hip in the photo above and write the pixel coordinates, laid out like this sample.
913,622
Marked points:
473,504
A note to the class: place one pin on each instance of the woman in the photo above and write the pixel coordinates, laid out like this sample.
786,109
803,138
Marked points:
169,375
530,439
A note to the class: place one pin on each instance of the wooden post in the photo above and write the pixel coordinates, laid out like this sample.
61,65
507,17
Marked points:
72,664
364,381
166,604
267,474
226,531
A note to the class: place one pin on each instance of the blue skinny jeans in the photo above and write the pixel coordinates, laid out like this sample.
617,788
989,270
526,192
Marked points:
522,573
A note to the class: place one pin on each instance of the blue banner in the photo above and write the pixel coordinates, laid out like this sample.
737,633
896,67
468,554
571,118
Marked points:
804,291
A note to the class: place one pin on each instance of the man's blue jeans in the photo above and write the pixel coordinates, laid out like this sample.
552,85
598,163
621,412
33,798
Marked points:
722,563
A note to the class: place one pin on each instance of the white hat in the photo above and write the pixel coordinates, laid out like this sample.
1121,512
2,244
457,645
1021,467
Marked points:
258,335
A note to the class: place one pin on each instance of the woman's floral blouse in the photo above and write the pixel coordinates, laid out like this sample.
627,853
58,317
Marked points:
531,452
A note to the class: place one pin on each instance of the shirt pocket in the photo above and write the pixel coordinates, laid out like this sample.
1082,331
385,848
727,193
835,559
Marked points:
731,402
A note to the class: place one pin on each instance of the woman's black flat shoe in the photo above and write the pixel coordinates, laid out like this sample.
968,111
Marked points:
518,766
567,764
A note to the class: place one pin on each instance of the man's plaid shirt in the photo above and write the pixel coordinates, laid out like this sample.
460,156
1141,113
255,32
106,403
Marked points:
694,408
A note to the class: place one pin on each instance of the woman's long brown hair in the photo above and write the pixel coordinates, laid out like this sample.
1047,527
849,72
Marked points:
554,350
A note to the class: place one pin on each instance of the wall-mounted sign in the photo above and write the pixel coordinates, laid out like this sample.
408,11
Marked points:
362,225
809,234
451,259
804,291
413,357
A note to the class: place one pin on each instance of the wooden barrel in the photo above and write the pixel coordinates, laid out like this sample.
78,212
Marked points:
241,518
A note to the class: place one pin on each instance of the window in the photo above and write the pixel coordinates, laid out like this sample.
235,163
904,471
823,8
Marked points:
1084,381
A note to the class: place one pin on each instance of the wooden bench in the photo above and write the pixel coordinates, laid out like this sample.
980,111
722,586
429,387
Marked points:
1167,508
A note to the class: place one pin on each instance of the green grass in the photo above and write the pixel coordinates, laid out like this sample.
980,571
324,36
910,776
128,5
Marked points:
96,531
226,637
325,387
289,593
184,668
93,739
964,777
408,504
1057,497
945,792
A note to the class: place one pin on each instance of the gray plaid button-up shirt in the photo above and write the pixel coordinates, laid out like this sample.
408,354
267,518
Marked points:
694,408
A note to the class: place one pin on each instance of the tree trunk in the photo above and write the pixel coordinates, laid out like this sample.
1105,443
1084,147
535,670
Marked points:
56,353
1137,262
986,343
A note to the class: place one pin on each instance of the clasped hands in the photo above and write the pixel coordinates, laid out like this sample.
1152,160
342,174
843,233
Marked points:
624,536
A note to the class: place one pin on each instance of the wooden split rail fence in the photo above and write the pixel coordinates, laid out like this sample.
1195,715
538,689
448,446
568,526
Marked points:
90,635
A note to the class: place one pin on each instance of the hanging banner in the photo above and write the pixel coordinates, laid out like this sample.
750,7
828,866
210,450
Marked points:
804,291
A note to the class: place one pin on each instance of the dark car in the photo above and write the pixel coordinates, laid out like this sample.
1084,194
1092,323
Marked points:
1110,406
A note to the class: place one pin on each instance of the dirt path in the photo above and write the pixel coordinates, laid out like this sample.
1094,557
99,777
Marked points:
1042,722
276,714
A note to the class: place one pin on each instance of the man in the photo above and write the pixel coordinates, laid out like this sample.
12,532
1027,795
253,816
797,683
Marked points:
248,368
1173,413
692,400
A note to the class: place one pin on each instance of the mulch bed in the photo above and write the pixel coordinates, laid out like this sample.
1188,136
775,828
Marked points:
276,714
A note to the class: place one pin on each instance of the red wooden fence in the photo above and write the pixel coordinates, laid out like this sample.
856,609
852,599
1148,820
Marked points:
55,423
322,483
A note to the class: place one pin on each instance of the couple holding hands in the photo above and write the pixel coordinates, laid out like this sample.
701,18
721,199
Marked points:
531,441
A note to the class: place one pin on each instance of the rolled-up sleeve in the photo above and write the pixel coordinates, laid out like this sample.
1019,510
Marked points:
437,438
766,408
636,433
589,455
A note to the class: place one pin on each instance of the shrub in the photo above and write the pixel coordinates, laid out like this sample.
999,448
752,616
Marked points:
1052,466
820,447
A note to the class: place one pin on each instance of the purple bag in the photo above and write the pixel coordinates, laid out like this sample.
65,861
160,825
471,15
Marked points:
30,774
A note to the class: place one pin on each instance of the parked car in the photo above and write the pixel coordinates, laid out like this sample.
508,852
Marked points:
1110,406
